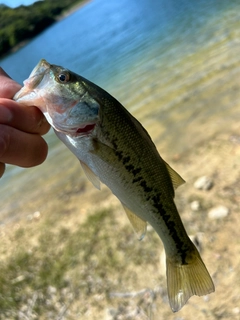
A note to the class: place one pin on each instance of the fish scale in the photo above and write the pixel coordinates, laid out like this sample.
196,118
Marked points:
114,148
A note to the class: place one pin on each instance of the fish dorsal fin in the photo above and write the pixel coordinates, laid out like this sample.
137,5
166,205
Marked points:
139,225
91,175
177,180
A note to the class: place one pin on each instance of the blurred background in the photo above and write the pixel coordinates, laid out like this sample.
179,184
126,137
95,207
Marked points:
175,65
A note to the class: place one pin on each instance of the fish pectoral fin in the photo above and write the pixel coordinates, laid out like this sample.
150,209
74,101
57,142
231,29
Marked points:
139,225
177,180
104,151
91,175
186,280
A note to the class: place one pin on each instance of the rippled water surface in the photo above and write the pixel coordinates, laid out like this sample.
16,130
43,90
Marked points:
173,64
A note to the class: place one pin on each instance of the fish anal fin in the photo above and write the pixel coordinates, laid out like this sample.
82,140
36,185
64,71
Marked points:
186,280
177,180
139,225
91,175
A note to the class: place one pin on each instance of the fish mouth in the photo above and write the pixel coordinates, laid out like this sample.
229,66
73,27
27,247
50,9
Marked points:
35,78
40,68
24,93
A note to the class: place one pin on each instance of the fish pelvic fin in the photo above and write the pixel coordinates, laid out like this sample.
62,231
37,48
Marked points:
91,175
186,280
139,225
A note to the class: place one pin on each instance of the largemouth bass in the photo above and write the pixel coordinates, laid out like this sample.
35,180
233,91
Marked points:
115,149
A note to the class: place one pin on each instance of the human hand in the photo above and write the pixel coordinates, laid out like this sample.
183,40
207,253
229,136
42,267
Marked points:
21,128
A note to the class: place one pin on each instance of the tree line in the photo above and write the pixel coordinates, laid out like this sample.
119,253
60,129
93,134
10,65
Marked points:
25,22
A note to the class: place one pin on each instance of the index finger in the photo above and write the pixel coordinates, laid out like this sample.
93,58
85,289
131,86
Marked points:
24,118
8,86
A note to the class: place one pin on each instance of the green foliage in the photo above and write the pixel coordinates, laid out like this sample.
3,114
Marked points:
25,22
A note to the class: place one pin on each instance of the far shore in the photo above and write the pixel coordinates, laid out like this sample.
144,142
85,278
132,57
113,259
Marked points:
62,16
71,10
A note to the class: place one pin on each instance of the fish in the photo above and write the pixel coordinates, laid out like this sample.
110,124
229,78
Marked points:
116,150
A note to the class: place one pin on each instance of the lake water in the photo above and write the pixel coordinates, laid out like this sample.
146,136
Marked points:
174,64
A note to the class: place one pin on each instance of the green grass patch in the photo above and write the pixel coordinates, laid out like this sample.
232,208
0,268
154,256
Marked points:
64,265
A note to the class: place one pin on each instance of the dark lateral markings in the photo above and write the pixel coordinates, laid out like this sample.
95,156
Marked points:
171,225
155,198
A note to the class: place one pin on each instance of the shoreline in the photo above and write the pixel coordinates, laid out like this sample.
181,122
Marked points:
71,10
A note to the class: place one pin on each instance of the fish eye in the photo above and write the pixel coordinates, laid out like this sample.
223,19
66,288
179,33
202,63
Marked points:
63,77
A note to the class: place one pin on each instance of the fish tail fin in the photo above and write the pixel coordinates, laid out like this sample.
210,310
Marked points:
186,280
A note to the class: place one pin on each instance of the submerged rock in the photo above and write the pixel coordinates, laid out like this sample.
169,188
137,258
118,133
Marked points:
195,205
203,183
218,212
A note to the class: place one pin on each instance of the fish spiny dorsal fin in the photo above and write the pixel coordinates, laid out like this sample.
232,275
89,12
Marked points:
91,175
139,225
177,180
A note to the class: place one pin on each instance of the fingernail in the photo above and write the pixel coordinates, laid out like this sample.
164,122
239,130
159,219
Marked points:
5,115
